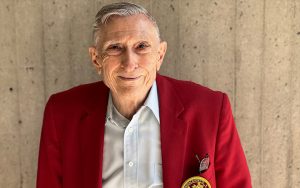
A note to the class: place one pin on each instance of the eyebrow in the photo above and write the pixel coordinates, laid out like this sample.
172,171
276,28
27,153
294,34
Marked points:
142,37
109,42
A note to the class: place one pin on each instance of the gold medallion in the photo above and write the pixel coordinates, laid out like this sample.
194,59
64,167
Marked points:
196,182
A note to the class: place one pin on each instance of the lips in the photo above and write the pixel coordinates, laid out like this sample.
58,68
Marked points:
129,78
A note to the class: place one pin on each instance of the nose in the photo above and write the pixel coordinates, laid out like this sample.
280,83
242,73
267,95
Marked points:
129,61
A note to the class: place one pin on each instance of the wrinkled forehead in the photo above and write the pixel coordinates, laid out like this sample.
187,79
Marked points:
127,35
136,26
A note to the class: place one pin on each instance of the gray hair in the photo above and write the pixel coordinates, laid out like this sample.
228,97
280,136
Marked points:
119,9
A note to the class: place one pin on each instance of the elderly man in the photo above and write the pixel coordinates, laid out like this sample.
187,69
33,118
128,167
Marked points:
136,128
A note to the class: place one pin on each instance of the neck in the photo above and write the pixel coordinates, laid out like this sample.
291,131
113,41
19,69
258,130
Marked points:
128,105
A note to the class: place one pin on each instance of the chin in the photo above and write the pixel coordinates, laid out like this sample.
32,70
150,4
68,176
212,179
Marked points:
132,89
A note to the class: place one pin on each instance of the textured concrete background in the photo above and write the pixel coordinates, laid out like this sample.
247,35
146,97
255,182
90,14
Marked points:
248,49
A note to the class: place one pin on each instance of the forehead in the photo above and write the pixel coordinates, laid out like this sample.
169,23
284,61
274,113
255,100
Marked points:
129,27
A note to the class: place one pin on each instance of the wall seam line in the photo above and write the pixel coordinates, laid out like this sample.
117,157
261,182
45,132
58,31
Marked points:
18,101
43,55
262,96
235,59
291,75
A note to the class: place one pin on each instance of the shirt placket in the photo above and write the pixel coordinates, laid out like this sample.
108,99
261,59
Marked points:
131,154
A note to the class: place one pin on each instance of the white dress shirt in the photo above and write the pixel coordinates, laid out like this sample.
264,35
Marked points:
132,149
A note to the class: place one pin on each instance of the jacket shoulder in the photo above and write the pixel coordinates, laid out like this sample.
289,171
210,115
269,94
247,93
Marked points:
191,91
81,94
80,89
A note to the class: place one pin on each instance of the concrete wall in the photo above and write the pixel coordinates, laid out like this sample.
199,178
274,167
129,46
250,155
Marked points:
248,49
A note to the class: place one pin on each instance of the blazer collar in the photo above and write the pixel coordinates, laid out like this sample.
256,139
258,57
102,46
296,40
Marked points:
172,131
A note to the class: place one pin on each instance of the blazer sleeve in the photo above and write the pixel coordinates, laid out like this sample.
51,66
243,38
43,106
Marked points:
230,163
49,174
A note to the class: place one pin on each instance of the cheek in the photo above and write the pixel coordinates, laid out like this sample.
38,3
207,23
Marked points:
109,67
149,63
109,64
151,69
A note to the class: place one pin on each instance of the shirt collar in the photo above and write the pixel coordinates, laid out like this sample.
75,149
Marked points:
151,102
114,116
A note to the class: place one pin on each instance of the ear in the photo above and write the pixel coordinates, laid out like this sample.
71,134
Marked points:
94,56
162,51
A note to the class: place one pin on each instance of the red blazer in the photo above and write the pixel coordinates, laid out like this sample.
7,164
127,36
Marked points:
194,120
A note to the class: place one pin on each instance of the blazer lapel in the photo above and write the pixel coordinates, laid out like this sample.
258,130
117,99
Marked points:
173,133
92,137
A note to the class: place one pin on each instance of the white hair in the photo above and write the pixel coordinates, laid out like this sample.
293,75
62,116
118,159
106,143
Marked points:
119,9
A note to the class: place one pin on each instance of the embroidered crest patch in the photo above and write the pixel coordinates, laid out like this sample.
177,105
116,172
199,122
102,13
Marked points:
196,182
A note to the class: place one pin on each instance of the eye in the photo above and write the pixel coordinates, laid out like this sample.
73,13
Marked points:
143,47
114,49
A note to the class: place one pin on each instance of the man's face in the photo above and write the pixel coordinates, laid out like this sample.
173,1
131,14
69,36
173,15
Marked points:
129,53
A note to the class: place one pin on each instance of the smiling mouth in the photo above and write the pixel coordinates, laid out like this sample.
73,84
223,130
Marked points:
130,78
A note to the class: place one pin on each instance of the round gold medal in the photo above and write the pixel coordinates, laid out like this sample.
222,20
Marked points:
196,182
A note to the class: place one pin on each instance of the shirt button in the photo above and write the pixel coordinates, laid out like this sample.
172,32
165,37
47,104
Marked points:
130,163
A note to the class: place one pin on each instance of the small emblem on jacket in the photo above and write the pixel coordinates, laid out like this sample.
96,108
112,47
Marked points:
196,182
204,163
